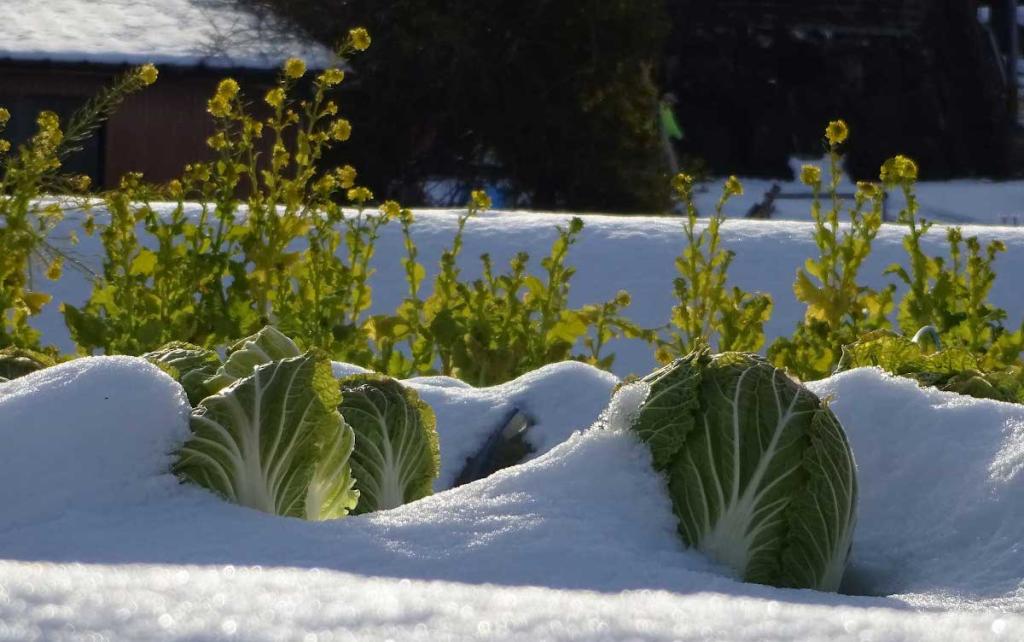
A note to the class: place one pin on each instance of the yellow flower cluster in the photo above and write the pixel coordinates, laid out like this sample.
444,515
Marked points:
274,98
332,77
4,116
148,74
294,68
360,39
5,146
733,187
347,176
682,184
810,175
898,169
837,132
479,200
341,130
867,190
390,210
220,105
359,195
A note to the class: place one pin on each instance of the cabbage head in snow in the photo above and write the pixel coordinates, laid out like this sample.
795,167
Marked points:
396,458
190,365
275,441
267,345
759,469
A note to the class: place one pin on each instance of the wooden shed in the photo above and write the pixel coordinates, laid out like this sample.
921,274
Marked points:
55,55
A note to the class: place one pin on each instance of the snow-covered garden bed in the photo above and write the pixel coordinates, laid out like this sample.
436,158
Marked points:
99,539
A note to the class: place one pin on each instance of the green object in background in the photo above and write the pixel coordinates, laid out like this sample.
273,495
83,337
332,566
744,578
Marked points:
669,124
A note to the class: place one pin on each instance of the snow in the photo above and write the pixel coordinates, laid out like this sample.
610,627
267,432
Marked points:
633,253
99,542
956,202
215,33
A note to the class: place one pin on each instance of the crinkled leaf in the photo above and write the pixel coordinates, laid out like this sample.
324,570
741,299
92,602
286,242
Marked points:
396,457
667,415
189,364
275,441
763,479
267,345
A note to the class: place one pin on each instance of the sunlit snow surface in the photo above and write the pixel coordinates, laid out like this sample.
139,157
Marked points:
579,543
214,33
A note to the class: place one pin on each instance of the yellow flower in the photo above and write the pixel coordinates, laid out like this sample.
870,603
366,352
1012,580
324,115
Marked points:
48,121
4,116
347,176
217,141
331,108
907,168
837,132
899,169
479,200
274,97
810,175
868,191
5,146
81,182
227,88
332,77
359,195
148,74
733,187
360,39
218,107
682,183
56,268
341,129
390,210
294,68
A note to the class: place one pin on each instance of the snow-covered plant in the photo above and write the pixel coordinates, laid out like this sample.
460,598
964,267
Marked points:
275,441
759,469
708,312
189,365
396,457
950,368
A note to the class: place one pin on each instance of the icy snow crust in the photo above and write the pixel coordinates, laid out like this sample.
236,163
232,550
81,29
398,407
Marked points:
578,543
213,33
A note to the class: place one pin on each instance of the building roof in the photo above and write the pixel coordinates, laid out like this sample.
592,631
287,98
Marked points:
212,33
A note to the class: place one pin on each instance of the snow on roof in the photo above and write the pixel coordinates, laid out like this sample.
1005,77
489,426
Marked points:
214,33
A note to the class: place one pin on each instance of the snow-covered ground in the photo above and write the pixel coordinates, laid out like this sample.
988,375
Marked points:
98,541
956,202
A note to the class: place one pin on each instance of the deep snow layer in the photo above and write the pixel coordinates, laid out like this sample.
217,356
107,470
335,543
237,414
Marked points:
579,543
613,253
213,33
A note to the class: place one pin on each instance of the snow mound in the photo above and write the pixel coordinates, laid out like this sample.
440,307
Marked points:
87,433
560,398
579,543
941,488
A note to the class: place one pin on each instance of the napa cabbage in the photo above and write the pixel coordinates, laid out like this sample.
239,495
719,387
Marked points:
759,469
275,441
396,457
